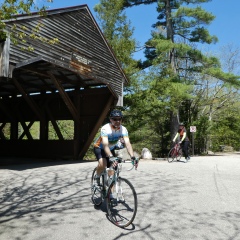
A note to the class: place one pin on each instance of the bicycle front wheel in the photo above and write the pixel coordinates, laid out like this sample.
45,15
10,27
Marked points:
171,155
121,202
96,190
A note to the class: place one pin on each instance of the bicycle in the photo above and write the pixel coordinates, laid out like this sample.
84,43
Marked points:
175,153
120,195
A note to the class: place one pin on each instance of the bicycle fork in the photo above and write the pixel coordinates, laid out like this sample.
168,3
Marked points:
119,191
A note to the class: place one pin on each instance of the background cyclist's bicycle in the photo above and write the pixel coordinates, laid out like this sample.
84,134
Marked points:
120,195
175,153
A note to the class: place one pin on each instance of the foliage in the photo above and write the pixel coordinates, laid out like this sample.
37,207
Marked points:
197,87
10,9
66,128
225,129
118,32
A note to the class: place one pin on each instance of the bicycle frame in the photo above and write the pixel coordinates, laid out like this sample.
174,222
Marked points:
115,175
175,153
177,147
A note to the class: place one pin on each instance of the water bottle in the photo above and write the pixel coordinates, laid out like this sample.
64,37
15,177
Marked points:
105,178
109,180
105,184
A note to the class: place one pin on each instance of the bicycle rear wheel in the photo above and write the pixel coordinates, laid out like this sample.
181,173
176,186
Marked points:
171,155
122,208
96,190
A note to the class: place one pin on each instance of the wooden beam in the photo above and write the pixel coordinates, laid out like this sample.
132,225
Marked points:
4,57
26,130
14,130
29,100
55,126
6,111
14,122
96,127
65,98
2,136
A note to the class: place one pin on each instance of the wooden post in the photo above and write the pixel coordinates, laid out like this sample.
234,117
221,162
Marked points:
193,129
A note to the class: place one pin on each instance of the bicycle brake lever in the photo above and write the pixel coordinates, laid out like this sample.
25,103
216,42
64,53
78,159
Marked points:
136,163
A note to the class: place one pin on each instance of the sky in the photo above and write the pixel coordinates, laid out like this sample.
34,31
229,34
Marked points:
225,26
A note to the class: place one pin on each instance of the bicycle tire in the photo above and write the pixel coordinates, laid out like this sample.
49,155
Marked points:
122,208
171,155
96,191
179,155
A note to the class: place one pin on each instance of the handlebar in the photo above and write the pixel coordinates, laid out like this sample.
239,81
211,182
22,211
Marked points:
134,162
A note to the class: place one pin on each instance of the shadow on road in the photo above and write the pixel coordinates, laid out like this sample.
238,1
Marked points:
30,190
20,164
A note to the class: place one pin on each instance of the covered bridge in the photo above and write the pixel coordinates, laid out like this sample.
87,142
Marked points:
63,69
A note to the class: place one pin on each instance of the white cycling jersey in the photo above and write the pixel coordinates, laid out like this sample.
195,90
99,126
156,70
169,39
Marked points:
113,135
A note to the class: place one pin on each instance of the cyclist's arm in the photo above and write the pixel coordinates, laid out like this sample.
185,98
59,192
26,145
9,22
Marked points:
175,137
128,146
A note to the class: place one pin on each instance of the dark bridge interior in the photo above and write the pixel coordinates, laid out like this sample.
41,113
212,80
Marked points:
76,80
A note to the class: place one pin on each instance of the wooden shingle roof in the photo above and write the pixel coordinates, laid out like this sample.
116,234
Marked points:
82,57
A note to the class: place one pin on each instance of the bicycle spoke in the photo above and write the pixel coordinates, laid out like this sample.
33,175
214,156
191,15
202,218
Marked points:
171,155
96,191
179,155
122,208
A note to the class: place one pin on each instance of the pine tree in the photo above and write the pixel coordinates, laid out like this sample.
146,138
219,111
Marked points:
168,85
118,31
180,28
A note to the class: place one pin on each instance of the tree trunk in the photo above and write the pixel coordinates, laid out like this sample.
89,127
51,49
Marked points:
174,120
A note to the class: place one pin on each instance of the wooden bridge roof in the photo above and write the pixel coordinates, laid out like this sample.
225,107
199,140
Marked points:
82,57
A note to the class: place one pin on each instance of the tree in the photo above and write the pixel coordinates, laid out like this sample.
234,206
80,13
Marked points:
217,103
118,31
173,48
10,8
176,78
230,58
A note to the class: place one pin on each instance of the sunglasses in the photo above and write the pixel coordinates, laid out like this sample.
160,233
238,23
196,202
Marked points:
116,119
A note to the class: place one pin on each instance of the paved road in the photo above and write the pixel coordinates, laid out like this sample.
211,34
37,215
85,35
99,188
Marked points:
186,201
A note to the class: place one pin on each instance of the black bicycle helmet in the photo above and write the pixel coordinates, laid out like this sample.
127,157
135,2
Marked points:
116,113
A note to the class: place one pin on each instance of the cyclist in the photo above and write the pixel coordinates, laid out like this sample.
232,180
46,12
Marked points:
113,136
184,140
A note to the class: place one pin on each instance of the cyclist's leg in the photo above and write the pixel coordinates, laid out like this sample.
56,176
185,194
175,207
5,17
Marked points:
105,162
111,172
102,160
96,190
183,146
179,154
102,164
187,150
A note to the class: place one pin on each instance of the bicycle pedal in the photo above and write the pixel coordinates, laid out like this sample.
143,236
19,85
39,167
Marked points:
95,186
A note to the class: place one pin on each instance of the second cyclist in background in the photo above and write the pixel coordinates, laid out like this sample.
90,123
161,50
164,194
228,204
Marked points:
184,140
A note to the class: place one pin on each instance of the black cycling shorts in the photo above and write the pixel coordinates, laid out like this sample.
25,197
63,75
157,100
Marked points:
100,153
